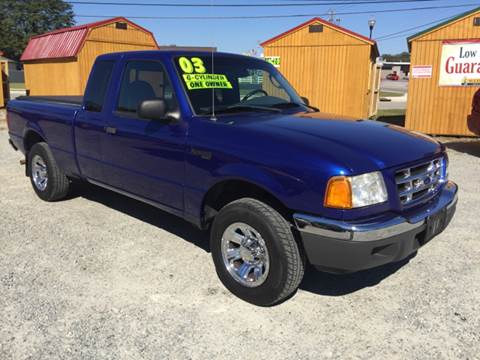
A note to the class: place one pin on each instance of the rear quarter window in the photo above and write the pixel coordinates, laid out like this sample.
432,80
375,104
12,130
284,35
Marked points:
98,85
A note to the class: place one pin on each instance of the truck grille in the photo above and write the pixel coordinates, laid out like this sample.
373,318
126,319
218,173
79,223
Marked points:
420,182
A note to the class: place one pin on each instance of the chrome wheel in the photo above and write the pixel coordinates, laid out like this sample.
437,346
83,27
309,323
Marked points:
39,173
245,254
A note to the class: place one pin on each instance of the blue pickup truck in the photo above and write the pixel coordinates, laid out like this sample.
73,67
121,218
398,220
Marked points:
226,143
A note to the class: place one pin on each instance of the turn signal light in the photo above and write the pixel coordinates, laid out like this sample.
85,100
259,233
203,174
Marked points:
339,193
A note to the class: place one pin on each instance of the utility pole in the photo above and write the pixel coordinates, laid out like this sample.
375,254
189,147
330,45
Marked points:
331,15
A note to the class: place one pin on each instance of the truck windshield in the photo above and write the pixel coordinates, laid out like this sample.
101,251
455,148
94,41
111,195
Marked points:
235,84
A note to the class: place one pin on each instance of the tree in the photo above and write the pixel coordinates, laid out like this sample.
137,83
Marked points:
21,19
402,57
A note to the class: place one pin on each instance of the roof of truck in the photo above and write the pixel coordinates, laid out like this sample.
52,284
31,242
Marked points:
173,53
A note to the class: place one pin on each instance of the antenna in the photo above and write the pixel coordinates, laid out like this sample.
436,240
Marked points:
213,117
331,15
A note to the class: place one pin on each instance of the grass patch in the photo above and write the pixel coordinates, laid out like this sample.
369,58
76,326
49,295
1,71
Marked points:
390,94
391,112
393,116
17,86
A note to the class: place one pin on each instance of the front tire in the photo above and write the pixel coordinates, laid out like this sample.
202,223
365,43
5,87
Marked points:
255,254
48,181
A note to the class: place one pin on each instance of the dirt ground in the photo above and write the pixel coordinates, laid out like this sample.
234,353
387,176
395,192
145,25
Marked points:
101,276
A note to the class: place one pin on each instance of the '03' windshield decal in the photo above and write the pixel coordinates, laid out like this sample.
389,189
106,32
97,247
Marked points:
195,77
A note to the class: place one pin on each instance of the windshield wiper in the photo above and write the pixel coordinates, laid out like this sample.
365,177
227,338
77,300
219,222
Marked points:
294,104
249,107
237,107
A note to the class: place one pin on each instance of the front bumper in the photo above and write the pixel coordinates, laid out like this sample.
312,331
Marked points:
340,246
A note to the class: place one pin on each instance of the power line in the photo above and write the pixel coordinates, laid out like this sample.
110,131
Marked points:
402,33
240,17
316,3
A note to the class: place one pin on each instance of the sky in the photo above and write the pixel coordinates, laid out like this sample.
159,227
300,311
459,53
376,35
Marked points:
243,35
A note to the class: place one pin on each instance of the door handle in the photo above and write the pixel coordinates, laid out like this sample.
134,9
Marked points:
110,130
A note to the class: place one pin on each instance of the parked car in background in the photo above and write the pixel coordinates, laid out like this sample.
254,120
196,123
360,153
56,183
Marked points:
393,76
226,143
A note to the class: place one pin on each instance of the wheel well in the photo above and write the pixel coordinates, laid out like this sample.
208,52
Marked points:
31,138
225,192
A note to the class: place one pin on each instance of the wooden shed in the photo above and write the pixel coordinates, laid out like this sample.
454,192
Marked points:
333,67
4,90
444,75
4,86
59,62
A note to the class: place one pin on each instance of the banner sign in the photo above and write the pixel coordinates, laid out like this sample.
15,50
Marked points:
422,71
274,60
460,63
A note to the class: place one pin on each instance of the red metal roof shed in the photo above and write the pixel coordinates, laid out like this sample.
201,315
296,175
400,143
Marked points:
66,43
59,62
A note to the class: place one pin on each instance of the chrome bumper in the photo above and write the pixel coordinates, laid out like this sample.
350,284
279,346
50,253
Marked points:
378,229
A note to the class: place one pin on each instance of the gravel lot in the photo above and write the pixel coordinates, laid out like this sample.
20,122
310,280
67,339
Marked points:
101,276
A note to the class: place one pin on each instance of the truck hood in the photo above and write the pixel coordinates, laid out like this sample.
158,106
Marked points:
360,145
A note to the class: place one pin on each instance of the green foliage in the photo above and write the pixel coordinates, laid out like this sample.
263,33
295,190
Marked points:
402,57
21,19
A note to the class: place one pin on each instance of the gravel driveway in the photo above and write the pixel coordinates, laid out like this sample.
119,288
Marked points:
101,276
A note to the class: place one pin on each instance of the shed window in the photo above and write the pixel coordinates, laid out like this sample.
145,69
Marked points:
315,28
121,25
476,21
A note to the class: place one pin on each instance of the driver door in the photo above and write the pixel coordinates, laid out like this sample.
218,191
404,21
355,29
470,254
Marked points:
146,157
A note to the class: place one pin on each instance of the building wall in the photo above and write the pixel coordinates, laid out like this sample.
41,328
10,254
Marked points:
107,39
331,69
433,109
52,77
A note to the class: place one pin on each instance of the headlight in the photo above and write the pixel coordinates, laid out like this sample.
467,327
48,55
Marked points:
348,192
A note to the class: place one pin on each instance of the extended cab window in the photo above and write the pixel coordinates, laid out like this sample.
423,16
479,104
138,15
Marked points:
98,85
144,80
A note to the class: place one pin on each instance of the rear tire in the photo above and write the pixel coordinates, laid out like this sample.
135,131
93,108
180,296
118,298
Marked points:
248,233
48,181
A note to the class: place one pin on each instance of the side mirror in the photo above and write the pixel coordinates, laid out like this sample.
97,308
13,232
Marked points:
153,109
305,100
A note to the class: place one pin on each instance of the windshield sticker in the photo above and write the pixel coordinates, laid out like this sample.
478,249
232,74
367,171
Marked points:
206,81
191,65
274,60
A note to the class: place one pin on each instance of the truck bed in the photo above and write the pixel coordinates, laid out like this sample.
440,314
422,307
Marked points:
52,117
66,100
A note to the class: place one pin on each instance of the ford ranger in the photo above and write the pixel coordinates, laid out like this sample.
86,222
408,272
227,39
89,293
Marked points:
226,143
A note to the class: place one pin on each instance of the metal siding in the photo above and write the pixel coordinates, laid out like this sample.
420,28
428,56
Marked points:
59,45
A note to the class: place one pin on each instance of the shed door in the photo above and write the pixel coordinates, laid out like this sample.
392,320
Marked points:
374,89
